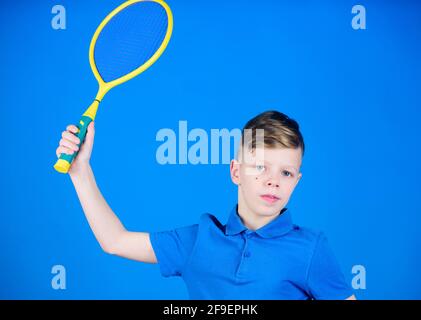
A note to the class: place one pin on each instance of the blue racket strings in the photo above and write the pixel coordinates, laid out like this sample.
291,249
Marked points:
130,39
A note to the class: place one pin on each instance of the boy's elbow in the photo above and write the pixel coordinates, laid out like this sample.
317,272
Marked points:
108,251
109,248
113,246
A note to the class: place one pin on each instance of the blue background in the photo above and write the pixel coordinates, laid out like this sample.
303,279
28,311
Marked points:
355,94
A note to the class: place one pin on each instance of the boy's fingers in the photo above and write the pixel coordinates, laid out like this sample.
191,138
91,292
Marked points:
70,136
68,144
72,128
63,149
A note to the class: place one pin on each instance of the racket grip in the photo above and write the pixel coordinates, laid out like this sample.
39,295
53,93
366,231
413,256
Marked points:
65,160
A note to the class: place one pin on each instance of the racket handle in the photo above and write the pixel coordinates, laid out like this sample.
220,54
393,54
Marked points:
65,160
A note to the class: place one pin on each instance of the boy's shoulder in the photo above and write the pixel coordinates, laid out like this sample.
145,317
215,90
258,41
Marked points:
207,219
307,233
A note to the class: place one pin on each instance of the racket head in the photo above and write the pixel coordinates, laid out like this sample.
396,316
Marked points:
129,40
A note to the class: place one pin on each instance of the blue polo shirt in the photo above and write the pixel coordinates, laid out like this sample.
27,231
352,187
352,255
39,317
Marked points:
278,261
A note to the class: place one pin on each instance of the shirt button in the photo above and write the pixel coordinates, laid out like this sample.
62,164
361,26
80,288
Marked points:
247,254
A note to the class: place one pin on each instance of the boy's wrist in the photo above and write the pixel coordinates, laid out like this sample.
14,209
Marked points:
82,170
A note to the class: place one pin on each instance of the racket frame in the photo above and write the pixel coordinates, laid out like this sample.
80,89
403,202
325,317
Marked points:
104,87
64,162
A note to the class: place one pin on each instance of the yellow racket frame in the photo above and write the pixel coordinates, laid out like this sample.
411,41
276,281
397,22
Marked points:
63,164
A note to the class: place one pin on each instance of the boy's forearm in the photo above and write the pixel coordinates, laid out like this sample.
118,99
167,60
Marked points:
104,223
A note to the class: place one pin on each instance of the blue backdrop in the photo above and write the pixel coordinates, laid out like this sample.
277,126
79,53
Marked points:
355,93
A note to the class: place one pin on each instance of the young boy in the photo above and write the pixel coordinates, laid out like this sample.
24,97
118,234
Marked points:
258,254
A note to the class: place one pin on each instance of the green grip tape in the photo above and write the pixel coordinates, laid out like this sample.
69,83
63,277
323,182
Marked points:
65,160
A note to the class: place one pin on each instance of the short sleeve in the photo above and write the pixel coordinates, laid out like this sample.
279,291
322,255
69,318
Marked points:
172,248
325,279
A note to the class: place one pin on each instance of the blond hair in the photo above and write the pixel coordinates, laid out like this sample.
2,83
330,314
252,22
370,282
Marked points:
280,131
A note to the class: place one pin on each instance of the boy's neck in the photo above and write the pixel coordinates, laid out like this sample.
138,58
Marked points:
253,221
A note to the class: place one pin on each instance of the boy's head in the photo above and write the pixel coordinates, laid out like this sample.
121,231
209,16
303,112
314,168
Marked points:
267,167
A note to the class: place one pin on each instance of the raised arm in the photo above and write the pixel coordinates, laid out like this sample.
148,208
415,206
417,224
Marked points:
107,228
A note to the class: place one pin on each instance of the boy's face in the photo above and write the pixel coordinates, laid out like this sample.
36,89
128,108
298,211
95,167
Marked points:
266,179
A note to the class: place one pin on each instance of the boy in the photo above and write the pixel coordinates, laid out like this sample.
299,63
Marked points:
258,254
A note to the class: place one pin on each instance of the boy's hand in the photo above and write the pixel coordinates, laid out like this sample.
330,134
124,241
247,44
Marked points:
69,144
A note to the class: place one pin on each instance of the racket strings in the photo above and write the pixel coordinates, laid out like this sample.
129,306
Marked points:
130,39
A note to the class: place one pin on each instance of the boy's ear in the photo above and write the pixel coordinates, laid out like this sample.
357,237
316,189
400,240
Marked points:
298,178
235,171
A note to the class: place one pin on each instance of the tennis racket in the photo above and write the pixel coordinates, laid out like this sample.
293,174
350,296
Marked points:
126,43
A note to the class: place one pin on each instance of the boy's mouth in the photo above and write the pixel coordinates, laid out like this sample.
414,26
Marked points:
270,198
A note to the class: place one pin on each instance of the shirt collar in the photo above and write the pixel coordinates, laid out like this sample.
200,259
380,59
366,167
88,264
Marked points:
281,225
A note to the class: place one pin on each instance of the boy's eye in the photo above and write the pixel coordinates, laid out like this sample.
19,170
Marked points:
260,168
286,173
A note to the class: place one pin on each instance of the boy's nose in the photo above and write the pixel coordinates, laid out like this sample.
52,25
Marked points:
272,183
